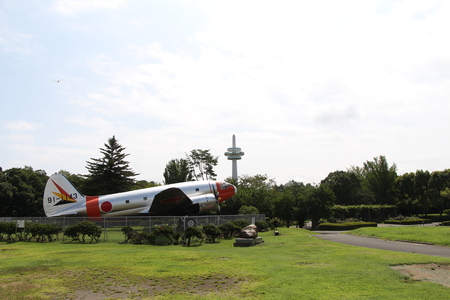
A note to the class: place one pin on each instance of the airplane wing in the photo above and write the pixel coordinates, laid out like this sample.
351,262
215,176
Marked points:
169,201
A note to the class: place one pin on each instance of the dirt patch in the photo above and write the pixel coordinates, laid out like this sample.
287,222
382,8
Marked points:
96,284
427,272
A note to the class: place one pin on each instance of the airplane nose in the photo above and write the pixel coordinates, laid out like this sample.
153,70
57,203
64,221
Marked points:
226,190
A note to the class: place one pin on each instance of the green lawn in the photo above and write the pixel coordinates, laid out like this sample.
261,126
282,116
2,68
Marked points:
294,265
435,235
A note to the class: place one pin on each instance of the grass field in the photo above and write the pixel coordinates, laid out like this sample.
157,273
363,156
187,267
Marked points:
433,235
294,265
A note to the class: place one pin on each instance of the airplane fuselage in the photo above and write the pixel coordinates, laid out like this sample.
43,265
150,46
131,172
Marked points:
174,199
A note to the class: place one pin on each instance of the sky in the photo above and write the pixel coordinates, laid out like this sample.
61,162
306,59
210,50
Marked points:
307,87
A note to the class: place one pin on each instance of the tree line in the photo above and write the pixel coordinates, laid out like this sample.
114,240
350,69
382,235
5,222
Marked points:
373,187
21,189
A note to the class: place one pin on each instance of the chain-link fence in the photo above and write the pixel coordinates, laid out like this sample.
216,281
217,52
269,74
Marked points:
111,226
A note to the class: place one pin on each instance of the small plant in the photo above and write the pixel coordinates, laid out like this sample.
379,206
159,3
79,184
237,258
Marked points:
240,223
262,226
193,232
212,232
78,232
227,230
166,231
7,230
129,233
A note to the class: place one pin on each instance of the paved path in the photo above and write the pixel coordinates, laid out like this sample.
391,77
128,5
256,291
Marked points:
384,245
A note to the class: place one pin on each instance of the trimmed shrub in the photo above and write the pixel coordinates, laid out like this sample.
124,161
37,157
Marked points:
41,232
240,223
78,232
166,231
408,221
129,233
346,226
262,226
7,230
212,232
192,232
136,237
227,230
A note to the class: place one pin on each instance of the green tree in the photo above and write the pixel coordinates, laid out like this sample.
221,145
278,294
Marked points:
111,173
177,170
6,195
406,203
284,208
320,204
257,191
248,210
291,202
346,186
143,184
381,179
365,194
421,180
437,184
201,164
21,192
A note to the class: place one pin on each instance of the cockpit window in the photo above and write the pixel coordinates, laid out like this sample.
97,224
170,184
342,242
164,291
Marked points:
223,186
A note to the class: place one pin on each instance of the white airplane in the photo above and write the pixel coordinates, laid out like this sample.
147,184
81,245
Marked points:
61,198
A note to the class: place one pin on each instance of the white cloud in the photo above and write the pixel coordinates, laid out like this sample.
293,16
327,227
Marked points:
307,87
74,6
21,125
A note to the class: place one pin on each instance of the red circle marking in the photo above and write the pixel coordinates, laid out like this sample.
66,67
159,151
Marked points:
106,206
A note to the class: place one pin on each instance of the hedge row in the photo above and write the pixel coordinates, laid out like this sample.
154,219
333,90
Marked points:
42,232
408,222
346,226
165,235
37,231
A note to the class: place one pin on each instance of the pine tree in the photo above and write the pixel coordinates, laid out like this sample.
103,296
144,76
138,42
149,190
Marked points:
111,173
177,170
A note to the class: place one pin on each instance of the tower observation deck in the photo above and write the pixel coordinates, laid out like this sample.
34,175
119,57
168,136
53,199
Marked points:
234,153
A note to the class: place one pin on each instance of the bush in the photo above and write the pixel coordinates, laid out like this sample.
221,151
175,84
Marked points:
408,221
129,233
446,223
346,226
192,232
166,231
41,232
144,237
212,232
7,230
232,228
262,226
78,232
227,230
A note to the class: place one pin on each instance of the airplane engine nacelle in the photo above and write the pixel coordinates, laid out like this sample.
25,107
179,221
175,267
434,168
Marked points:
205,202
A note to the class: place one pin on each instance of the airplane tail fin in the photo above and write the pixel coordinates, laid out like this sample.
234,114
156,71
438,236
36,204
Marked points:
60,195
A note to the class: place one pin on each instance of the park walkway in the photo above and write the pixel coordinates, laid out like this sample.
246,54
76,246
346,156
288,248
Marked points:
369,242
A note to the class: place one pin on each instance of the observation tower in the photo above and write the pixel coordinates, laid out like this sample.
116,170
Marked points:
234,153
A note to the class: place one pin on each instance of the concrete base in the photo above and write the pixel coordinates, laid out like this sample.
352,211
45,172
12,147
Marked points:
247,242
